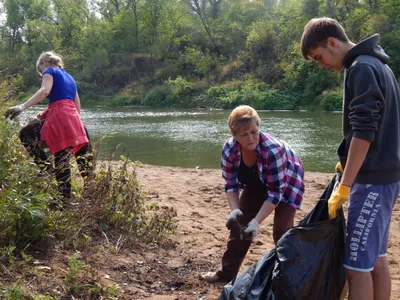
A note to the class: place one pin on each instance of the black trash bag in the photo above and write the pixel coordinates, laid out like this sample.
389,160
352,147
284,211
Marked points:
306,264
255,282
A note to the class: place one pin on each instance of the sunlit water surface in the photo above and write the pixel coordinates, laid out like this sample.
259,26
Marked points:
191,138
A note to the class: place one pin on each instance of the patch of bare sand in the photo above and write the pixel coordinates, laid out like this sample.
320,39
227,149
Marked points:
199,198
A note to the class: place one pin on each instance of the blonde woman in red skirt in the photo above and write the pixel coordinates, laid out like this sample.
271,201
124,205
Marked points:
62,130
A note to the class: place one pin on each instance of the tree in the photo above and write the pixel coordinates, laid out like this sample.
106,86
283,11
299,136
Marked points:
200,8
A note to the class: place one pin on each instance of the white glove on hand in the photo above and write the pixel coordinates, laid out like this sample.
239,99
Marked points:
251,231
14,111
234,218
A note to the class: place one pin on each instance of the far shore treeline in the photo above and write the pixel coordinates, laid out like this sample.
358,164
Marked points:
187,53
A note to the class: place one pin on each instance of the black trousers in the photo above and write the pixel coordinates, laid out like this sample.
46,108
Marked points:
250,203
30,138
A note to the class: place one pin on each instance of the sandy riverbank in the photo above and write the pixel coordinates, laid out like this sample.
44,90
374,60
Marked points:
199,198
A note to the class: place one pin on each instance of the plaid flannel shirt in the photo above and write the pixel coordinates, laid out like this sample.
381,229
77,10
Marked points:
279,169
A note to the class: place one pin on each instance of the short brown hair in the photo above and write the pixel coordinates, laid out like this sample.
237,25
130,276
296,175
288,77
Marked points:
317,31
241,117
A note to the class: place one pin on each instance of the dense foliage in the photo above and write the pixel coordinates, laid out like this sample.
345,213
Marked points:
187,52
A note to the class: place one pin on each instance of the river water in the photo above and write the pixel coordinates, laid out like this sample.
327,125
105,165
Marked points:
191,138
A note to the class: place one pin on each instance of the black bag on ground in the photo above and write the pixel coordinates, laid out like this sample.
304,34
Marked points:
307,262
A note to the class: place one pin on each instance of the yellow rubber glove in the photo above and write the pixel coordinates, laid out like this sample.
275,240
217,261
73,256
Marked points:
338,197
339,168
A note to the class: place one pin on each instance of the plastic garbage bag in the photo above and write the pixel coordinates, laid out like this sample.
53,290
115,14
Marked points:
307,262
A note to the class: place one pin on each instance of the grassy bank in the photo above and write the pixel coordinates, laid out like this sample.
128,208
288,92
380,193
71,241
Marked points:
181,93
106,215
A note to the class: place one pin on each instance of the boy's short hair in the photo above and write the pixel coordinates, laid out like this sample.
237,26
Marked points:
241,117
317,31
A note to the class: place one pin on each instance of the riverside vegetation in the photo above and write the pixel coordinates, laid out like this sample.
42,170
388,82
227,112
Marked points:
110,214
188,53
159,53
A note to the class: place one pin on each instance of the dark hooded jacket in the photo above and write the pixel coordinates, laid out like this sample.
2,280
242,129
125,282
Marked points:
371,111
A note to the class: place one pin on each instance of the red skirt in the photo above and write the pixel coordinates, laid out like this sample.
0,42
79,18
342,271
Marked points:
63,127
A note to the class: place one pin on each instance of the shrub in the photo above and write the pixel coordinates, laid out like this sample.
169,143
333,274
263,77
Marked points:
253,93
24,196
158,96
115,201
18,83
30,205
32,216
180,90
333,101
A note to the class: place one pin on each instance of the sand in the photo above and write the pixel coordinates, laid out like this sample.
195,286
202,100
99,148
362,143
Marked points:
200,201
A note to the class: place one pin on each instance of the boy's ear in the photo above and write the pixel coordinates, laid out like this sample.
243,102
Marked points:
332,42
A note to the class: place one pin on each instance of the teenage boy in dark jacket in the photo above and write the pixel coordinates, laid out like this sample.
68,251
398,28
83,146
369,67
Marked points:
369,152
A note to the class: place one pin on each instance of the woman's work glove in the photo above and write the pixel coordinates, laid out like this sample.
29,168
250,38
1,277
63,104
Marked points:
339,168
14,111
251,230
234,217
338,197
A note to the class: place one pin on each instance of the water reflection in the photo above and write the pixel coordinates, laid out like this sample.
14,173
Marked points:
190,138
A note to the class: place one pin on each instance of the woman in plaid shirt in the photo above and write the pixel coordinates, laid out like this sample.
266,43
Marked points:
270,176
